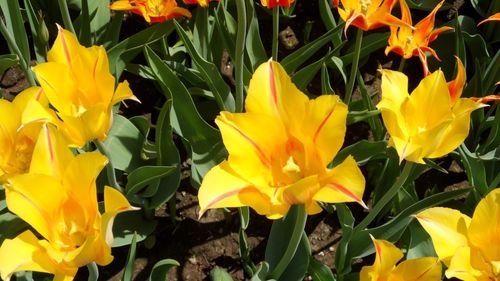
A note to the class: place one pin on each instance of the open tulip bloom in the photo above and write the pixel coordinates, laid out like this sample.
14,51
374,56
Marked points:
58,198
408,42
470,247
279,150
429,123
384,267
276,3
155,10
77,82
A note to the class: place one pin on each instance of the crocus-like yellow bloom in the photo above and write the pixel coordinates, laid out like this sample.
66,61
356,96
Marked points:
367,14
408,42
470,247
274,3
202,3
384,267
279,150
78,84
429,123
17,141
152,10
58,199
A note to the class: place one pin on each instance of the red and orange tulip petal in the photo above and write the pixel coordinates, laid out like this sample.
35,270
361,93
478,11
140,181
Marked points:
495,17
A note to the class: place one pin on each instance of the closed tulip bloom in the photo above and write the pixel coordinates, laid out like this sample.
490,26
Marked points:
202,3
367,14
429,123
152,10
58,198
385,267
17,141
469,247
279,150
408,42
77,82
273,3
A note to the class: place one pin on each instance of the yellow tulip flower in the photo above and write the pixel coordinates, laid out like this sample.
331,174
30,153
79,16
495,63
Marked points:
58,198
367,14
429,123
17,141
408,42
152,10
279,150
384,267
78,84
470,247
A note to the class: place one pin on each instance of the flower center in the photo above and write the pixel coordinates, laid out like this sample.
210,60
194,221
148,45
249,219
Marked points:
156,6
365,4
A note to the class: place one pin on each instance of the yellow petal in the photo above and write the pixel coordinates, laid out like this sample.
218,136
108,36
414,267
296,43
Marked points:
345,183
421,269
94,249
301,191
325,123
123,92
386,257
484,229
460,266
447,228
31,93
51,153
64,49
24,253
10,119
121,5
92,124
456,86
114,203
271,92
394,95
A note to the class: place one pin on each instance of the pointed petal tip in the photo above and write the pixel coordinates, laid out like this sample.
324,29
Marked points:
363,205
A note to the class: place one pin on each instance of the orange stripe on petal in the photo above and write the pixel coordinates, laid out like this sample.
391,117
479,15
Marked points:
50,148
262,156
220,198
64,44
272,84
344,190
322,124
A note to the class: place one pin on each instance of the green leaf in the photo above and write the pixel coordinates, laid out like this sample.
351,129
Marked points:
362,151
210,73
10,225
129,224
15,26
7,61
220,274
319,271
254,47
145,175
128,270
326,87
160,269
326,14
261,273
124,144
420,243
205,141
371,43
297,268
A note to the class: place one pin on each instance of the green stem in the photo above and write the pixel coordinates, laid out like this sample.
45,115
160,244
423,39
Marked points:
276,29
401,64
68,24
164,45
93,271
22,60
110,168
239,53
354,66
295,237
393,190
204,32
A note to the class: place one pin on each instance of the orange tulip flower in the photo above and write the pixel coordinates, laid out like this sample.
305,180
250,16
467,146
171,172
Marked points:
408,42
202,3
152,10
491,18
273,3
367,14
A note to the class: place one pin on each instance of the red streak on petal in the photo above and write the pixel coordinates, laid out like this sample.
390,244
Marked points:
258,149
272,83
65,47
378,250
38,94
344,190
224,196
316,134
49,144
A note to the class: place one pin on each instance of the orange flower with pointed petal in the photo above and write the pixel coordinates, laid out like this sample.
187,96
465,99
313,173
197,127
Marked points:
494,17
274,3
279,150
367,14
58,198
408,42
202,3
152,10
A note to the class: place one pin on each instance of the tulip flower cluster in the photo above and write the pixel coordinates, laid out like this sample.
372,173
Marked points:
45,184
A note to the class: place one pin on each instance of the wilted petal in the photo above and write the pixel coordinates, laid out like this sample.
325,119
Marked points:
447,228
421,269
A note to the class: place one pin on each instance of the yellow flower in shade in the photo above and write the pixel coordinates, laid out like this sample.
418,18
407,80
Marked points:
17,141
408,42
279,150
58,198
469,247
202,3
77,82
429,123
367,14
384,267
152,10
276,3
